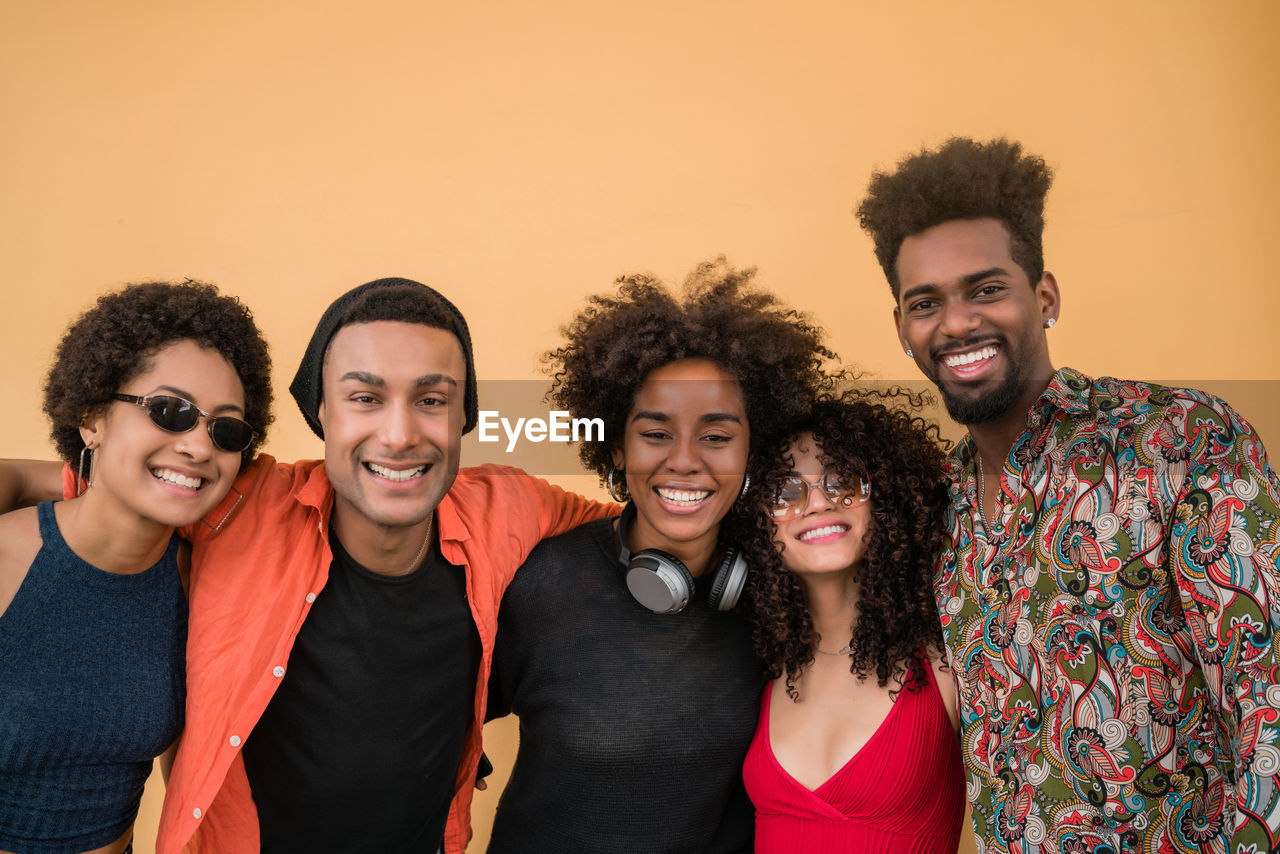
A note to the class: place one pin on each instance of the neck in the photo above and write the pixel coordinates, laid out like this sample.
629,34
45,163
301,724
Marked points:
696,554
994,438
833,606
109,536
383,549
696,557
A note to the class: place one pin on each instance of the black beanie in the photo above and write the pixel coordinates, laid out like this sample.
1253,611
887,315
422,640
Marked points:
307,388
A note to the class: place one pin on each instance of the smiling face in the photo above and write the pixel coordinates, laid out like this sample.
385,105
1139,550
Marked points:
392,415
170,479
684,451
824,537
974,322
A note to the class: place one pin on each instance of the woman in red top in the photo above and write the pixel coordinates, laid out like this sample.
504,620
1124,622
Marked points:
856,747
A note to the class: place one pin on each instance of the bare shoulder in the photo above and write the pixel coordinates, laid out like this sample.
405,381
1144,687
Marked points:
19,543
946,680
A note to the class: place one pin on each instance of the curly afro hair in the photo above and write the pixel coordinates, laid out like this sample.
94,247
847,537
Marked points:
115,340
963,179
901,455
772,351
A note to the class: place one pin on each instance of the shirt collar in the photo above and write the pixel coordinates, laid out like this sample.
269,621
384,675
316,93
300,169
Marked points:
449,523
1069,392
316,491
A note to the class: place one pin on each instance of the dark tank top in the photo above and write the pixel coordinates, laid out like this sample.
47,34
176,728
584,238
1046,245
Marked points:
92,686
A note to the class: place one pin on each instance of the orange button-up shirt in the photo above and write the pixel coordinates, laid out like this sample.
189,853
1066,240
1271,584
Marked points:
258,562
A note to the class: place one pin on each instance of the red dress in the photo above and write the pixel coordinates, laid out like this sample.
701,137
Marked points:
902,793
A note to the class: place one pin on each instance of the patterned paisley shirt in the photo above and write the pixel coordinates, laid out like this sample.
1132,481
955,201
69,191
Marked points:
1113,635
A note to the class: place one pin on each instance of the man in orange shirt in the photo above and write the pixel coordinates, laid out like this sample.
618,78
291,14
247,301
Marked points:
343,613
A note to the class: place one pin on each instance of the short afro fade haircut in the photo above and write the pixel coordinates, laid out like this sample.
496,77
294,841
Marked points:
116,339
962,179
775,353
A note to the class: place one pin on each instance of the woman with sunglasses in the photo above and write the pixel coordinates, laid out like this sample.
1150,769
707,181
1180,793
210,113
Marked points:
617,645
856,746
158,396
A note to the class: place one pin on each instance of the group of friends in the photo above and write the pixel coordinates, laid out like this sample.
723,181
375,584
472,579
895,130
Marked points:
806,625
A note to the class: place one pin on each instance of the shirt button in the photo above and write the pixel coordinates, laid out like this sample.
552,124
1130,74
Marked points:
196,812
311,597
278,671
235,741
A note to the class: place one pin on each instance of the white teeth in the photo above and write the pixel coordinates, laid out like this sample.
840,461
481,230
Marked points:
824,531
684,497
961,359
395,474
170,476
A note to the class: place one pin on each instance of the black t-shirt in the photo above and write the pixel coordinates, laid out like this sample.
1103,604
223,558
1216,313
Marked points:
358,750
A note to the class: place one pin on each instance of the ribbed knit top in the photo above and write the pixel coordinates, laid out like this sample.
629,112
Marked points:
92,688
633,725
902,793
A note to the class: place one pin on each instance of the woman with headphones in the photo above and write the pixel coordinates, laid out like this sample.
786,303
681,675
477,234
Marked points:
618,648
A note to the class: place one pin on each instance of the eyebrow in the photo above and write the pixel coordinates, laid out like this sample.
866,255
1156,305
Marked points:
376,381
709,417
974,278
969,279
188,396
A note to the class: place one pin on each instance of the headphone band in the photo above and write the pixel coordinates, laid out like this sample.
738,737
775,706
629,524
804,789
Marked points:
662,583
623,528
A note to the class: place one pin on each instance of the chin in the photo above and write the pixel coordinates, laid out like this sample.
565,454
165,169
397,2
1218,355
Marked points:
397,519
681,528
172,519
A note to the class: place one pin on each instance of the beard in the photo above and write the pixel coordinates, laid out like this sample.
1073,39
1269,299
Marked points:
994,404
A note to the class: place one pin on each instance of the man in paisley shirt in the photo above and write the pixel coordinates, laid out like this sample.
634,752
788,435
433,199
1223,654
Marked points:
1110,588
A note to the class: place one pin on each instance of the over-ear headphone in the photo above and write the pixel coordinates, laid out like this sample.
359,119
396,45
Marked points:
662,583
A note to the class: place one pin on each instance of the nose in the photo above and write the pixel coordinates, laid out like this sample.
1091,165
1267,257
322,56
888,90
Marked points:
399,426
815,500
196,443
959,320
685,456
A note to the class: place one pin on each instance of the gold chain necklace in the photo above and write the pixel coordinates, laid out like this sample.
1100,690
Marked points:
423,548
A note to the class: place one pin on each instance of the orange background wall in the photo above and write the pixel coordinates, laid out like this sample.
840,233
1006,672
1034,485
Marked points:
520,155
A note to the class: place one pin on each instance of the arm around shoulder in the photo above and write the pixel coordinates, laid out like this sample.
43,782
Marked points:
561,510
27,482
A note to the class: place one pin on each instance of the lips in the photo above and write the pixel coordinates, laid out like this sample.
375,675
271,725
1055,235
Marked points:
971,362
682,497
823,532
177,479
393,474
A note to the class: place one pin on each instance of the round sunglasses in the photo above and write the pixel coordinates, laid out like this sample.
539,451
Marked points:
793,494
176,415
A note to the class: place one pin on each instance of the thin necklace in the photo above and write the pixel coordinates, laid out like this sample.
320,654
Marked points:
844,650
982,494
423,548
